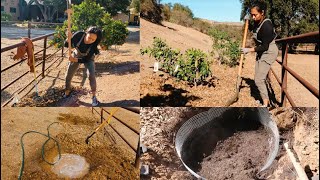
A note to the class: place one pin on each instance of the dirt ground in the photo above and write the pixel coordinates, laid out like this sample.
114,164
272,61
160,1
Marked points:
117,75
108,155
236,158
158,89
159,126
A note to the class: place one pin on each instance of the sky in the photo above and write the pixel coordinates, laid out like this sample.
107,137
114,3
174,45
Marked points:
216,10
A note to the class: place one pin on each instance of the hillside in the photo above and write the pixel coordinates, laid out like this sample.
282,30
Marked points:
160,89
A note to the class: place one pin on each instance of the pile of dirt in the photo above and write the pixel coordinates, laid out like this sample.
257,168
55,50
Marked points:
158,127
299,127
236,157
53,97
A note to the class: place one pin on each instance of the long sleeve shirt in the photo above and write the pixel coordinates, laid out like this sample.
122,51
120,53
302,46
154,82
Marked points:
83,48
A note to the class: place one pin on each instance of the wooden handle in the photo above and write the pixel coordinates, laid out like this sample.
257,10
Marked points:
69,31
243,45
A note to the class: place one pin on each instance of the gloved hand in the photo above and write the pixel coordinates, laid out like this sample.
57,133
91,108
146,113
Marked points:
245,50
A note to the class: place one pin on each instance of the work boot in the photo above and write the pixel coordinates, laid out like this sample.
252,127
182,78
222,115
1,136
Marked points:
95,101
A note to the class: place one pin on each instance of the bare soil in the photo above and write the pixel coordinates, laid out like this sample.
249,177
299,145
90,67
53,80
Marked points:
117,75
109,158
299,126
236,157
159,89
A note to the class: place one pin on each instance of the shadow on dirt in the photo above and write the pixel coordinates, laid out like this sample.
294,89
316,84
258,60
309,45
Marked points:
254,92
133,38
176,98
5,95
121,103
109,68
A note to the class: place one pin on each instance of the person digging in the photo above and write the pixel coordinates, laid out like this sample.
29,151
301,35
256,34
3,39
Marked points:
85,47
265,47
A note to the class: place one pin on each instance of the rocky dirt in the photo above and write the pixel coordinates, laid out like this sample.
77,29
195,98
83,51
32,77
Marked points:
117,74
108,155
158,89
299,126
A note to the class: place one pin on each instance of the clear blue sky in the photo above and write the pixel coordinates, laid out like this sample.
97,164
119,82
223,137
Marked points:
216,10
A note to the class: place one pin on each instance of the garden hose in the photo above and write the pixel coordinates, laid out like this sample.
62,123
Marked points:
42,149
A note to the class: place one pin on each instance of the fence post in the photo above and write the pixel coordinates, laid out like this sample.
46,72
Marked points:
44,56
101,116
284,73
29,29
137,160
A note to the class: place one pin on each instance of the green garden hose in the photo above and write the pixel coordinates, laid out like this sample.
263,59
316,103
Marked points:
42,149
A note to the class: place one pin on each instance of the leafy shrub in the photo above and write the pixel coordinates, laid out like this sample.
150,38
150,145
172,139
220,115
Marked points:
5,16
225,48
114,32
192,66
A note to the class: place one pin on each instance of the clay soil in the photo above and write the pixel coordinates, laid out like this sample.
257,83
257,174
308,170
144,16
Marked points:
298,126
117,75
159,89
236,157
109,156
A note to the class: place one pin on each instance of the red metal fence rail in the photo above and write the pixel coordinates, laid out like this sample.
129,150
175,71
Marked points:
312,37
44,68
135,149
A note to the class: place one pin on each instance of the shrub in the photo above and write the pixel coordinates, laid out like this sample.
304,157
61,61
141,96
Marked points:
225,48
5,16
85,15
192,66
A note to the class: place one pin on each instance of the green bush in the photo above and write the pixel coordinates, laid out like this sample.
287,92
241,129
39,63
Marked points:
87,14
5,16
192,66
225,48
115,33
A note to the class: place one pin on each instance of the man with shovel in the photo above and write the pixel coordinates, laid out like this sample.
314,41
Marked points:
267,51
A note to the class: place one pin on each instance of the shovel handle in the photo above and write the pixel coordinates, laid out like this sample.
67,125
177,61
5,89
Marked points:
69,31
243,45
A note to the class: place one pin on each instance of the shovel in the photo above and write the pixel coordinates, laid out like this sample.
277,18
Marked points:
69,12
239,79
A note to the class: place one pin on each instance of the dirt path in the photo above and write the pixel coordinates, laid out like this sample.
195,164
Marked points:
117,75
158,89
108,158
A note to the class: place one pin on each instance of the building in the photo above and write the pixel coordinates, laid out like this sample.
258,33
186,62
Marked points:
11,7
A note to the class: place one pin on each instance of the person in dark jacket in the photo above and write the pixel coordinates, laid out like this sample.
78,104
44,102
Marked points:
266,49
85,46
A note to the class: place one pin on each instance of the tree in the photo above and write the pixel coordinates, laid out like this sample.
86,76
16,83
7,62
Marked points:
114,6
49,8
151,11
84,16
136,5
182,15
166,11
290,17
